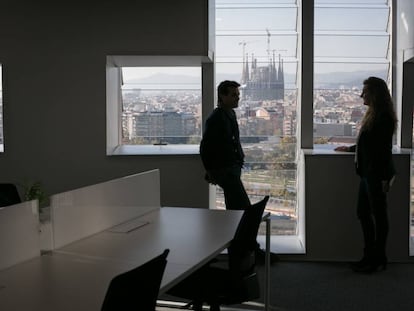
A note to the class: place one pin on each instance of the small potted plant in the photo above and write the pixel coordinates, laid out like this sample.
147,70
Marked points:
33,191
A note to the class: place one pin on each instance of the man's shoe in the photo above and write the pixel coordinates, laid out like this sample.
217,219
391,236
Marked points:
261,257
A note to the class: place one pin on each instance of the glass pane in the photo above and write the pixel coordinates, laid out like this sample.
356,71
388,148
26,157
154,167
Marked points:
250,3
234,47
254,19
350,2
345,54
339,75
256,45
351,46
161,105
339,19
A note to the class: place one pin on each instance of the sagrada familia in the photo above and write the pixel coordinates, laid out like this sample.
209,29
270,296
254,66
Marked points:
262,82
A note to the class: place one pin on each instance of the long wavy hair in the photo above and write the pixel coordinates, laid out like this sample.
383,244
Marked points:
379,102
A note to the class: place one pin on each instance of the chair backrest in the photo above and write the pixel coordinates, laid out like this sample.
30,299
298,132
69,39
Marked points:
8,194
242,255
138,288
244,240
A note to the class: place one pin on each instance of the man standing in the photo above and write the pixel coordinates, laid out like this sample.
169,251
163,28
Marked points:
220,148
222,154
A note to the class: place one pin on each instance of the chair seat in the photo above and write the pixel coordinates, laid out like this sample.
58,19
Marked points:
8,194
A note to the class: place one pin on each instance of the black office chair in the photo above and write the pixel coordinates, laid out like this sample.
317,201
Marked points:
136,289
8,194
236,283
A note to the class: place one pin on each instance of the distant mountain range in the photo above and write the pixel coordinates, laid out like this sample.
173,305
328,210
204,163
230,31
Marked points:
165,78
331,80
348,79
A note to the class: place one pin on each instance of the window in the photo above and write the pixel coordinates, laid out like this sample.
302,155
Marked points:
257,45
346,53
161,105
154,104
1,112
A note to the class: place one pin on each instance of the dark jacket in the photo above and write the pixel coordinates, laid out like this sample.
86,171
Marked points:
374,150
220,146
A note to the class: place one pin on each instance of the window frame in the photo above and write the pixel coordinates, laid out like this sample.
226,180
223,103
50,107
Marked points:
114,64
391,29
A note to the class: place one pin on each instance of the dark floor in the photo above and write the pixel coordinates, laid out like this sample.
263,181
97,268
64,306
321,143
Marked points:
325,286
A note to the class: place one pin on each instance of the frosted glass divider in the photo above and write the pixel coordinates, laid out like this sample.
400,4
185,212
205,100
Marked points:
19,233
88,210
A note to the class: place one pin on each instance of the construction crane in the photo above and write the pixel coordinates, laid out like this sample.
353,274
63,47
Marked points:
274,50
268,45
244,43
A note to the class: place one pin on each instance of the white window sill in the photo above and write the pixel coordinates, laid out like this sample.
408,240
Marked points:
154,150
329,149
283,244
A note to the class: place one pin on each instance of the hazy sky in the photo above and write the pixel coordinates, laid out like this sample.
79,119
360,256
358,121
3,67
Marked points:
350,35
143,72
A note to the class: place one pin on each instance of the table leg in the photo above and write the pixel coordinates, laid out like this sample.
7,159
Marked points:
267,266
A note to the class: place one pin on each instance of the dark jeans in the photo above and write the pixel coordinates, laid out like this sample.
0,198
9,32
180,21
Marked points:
235,196
372,213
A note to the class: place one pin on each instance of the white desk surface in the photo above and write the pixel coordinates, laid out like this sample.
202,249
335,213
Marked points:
77,276
189,233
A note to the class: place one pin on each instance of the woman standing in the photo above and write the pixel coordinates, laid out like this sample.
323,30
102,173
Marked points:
374,165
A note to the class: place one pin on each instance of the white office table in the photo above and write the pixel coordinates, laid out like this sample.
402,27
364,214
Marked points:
205,234
76,276
194,236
